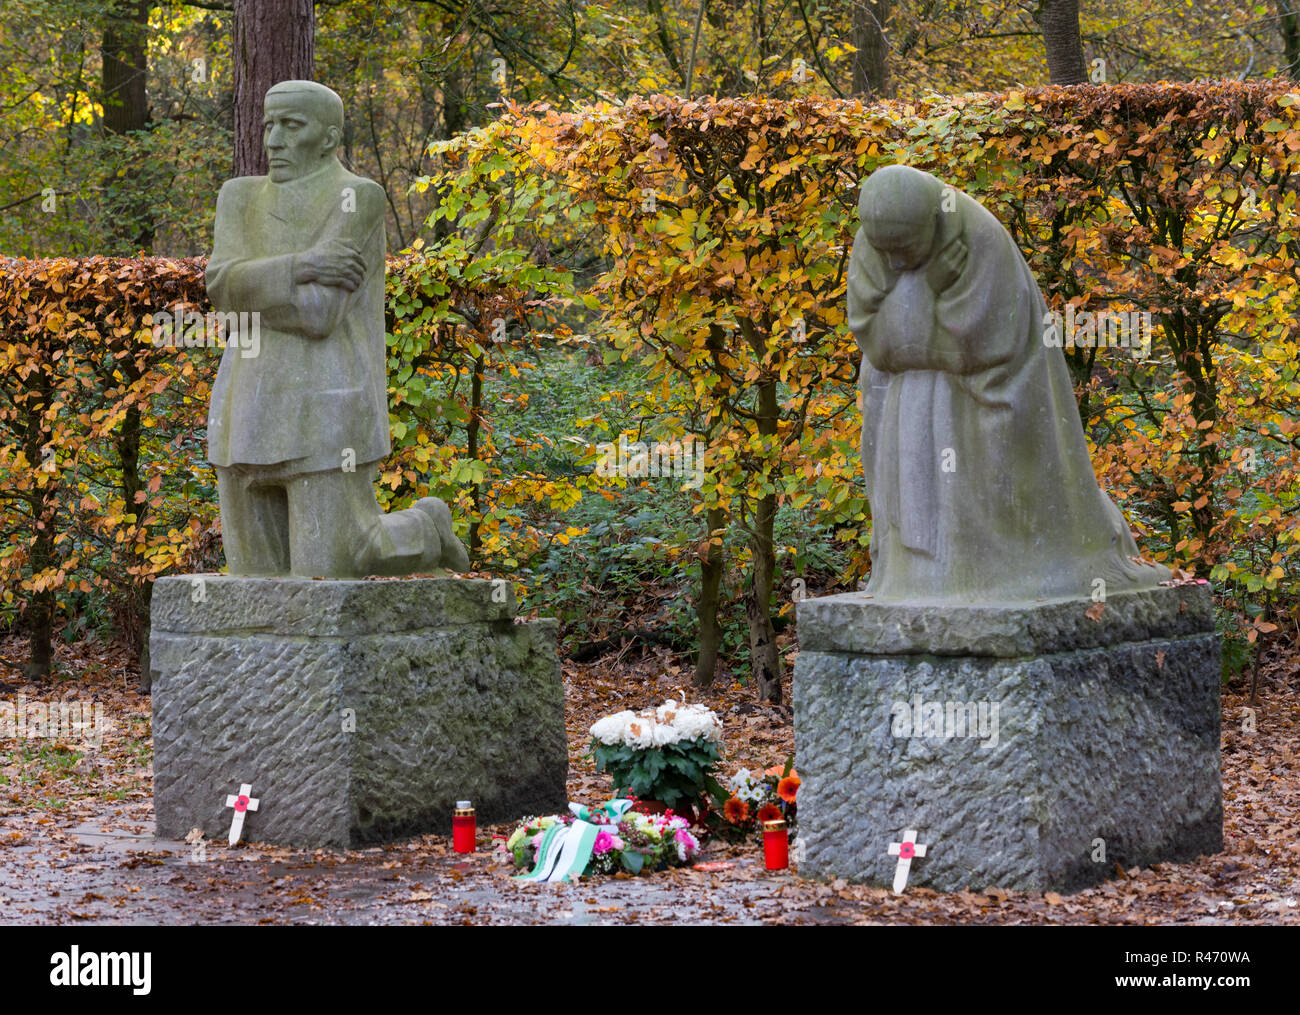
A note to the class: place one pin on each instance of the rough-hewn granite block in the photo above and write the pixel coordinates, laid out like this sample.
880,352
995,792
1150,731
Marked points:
1108,732
359,710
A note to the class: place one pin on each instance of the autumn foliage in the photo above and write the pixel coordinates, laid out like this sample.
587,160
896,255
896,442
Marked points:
729,223
721,231
103,423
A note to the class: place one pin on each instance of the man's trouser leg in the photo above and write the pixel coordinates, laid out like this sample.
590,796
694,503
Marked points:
254,522
338,530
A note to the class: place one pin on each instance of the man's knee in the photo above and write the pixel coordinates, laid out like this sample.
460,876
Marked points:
331,518
254,523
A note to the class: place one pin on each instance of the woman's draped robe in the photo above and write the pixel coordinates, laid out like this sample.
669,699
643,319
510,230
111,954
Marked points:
977,472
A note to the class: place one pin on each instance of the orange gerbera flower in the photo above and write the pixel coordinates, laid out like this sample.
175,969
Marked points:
769,812
780,770
788,787
735,810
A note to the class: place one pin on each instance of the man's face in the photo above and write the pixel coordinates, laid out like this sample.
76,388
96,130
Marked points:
905,245
296,140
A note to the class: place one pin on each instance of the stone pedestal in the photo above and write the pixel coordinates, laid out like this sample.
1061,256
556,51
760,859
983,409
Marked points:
1094,742
359,711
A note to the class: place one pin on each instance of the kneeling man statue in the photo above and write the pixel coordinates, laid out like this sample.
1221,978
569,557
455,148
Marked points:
296,432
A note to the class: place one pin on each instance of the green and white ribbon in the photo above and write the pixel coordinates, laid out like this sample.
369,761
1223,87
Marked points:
566,849
608,813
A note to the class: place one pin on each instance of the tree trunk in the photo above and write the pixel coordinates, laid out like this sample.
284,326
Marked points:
870,66
139,593
1288,23
38,617
472,427
665,39
444,109
124,51
274,41
711,568
126,110
763,656
1060,21
124,72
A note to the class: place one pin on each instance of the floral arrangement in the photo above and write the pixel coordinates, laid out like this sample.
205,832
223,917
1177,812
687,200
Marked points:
637,843
666,754
755,799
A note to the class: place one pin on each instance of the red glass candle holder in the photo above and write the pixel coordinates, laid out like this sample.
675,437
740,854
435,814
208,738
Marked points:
776,845
463,828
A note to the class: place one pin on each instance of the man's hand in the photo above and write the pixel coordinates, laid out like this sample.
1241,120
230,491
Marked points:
947,265
330,262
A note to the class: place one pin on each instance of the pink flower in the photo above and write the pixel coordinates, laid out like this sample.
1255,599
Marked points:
604,843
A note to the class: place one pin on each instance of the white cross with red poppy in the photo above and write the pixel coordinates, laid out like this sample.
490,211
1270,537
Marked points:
241,803
905,851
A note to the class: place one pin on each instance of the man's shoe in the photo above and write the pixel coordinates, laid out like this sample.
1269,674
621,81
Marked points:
450,553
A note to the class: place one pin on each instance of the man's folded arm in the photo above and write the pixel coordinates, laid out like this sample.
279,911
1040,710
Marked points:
266,285
318,309
262,284
321,308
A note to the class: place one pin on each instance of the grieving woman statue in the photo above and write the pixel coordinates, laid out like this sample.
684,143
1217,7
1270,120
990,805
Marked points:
977,472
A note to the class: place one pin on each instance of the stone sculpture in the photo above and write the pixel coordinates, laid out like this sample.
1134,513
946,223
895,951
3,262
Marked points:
361,711
1016,688
296,432
977,471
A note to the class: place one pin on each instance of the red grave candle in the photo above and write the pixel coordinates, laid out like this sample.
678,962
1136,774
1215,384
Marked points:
776,845
463,827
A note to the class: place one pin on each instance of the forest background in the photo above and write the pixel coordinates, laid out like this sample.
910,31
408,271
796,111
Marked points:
633,220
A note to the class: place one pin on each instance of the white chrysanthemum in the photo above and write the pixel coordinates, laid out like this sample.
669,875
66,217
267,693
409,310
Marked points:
639,732
665,734
697,722
667,711
638,820
609,731
745,787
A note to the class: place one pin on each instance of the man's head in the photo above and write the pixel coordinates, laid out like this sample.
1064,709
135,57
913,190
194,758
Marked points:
301,128
899,209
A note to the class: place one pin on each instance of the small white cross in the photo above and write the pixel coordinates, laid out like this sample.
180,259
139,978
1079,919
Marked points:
905,850
241,803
